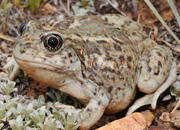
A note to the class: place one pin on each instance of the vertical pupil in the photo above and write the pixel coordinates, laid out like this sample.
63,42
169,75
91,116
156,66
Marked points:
53,42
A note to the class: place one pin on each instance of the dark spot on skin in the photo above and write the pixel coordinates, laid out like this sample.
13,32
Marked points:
28,28
15,45
105,35
156,73
102,94
127,22
107,55
113,78
63,61
117,41
22,51
133,33
64,57
108,69
159,64
100,84
64,81
164,73
129,58
101,41
110,89
94,93
118,72
156,70
158,53
106,19
115,92
99,103
118,88
87,41
149,69
89,110
77,34
71,61
49,55
69,55
44,59
117,48
129,66
165,58
94,59
121,58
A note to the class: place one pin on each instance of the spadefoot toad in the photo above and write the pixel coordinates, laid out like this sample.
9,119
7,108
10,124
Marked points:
100,60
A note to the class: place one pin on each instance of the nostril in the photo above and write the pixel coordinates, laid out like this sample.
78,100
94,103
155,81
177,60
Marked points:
22,28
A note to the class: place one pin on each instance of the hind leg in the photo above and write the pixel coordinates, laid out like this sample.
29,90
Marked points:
152,98
155,68
157,73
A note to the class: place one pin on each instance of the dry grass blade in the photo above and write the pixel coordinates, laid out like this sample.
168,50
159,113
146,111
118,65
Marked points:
170,45
175,108
68,7
161,20
171,4
64,8
110,2
7,38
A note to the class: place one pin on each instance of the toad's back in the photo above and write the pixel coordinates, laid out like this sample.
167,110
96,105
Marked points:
108,56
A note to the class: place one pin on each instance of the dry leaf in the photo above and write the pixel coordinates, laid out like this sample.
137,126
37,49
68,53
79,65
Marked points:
49,9
2,74
148,116
175,118
165,116
4,47
135,121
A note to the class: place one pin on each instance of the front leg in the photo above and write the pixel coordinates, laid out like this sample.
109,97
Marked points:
95,98
88,116
91,114
96,106
155,68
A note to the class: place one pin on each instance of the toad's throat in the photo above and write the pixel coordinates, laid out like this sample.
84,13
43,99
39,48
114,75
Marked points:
33,64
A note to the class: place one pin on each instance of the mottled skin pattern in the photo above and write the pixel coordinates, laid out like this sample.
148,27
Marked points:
101,61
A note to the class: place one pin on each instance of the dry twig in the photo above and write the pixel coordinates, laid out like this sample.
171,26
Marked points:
168,44
7,38
110,2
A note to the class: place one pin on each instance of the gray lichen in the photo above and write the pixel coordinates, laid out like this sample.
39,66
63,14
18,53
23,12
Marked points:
35,114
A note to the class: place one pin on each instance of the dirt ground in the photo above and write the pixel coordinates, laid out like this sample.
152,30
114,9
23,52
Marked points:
53,11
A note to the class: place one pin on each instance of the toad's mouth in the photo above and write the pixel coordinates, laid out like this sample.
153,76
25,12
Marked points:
33,64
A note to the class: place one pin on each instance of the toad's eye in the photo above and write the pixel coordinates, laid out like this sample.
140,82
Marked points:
52,42
22,28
